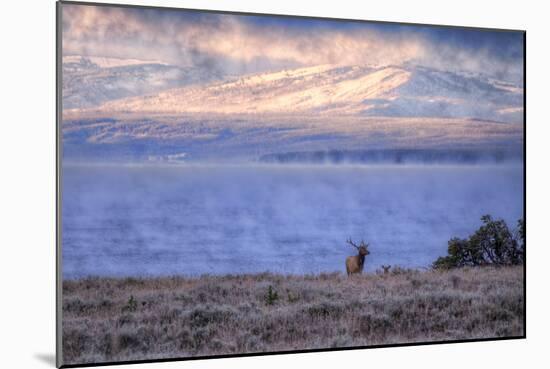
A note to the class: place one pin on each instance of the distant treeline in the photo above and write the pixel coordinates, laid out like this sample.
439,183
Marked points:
395,156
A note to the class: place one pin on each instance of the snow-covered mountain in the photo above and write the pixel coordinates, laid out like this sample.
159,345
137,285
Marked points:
92,81
388,91
291,113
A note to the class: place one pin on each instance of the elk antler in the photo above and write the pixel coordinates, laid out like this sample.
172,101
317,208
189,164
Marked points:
351,243
363,243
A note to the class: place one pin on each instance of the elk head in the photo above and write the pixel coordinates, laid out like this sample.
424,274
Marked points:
354,264
363,247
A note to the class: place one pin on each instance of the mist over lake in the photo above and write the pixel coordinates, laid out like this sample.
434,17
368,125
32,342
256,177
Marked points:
198,219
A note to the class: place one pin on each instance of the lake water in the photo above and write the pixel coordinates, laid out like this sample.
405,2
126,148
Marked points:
191,220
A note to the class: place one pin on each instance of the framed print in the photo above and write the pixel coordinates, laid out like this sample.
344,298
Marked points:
238,184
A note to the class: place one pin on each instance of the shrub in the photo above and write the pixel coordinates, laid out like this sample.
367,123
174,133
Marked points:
271,296
292,298
204,315
325,309
131,305
492,244
455,281
520,237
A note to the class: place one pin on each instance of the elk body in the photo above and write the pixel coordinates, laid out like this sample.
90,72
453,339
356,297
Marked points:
354,264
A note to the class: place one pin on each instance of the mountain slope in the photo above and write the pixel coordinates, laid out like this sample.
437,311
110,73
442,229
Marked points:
92,81
392,91
135,137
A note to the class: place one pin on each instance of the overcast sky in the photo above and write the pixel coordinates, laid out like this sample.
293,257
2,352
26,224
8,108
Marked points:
238,44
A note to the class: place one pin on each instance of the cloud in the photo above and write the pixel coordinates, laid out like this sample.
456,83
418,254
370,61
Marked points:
237,44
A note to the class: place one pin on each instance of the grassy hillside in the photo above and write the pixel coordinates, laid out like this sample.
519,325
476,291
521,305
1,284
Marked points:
109,319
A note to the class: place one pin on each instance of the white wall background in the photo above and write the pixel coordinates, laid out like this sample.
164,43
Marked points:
27,203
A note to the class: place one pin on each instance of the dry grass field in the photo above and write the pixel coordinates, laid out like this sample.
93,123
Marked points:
110,319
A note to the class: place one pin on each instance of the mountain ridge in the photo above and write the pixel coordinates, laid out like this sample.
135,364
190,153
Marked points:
397,91
89,82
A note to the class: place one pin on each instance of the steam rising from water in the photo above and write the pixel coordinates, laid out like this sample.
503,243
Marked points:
192,220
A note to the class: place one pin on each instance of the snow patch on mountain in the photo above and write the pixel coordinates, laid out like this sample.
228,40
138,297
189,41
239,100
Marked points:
91,81
392,91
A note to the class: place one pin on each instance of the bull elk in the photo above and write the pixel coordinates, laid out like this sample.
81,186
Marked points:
354,264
